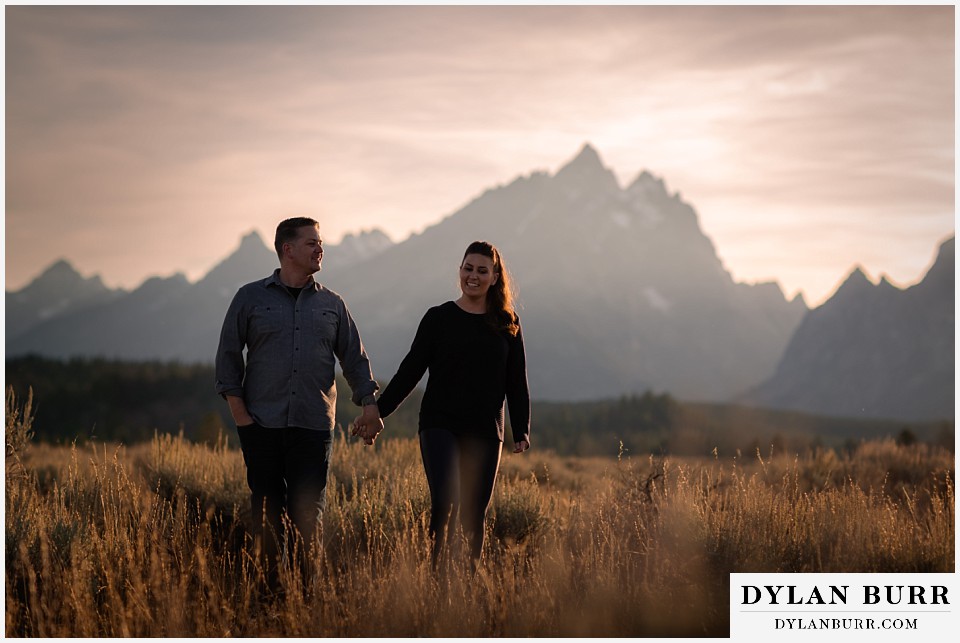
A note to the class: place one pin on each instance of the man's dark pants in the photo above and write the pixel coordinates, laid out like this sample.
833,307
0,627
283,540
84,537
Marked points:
286,471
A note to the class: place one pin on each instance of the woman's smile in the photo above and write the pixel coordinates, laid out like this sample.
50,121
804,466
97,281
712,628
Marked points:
477,274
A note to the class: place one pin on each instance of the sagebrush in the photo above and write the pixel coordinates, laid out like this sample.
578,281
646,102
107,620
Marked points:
151,540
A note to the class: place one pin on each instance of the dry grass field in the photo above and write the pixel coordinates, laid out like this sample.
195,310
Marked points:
150,540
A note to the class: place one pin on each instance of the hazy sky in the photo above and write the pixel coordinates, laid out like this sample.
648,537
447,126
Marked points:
147,140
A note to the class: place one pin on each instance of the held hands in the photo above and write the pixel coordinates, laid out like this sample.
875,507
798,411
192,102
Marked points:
521,446
368,425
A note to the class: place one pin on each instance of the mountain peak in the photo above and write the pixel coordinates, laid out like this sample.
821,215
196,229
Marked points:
355,247
252,259
59,269
588,155
859,273
886,284
252,241
858,276
647,183
872,351
62,275
857,282
586,167
375,233
57,290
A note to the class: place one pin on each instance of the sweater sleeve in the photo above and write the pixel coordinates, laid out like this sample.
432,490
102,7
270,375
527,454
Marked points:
518,390
412,368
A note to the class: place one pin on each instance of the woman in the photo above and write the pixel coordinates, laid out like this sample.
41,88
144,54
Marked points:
473,348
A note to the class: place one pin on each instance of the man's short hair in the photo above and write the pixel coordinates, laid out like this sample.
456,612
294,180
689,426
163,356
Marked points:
288,230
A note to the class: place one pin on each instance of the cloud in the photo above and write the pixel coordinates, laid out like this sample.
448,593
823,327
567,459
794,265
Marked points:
223,119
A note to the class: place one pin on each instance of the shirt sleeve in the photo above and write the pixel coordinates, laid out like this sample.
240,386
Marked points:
412,368
353,358
518,389
233,337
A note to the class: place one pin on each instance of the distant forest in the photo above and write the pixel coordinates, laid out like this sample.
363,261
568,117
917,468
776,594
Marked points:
119,401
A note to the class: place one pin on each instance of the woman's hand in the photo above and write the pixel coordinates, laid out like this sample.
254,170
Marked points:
359,429
368,425
521,446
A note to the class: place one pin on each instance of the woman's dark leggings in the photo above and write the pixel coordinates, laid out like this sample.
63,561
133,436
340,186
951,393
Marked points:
461,471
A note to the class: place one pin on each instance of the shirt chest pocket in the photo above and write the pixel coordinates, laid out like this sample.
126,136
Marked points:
266,319
326,322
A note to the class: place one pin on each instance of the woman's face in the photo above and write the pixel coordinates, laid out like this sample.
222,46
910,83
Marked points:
477,275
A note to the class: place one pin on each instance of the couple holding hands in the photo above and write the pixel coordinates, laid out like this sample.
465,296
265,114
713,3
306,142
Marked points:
282,392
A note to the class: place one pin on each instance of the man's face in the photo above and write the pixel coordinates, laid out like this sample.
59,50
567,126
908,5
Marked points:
306,251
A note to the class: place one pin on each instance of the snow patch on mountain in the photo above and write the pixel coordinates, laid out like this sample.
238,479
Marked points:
621,218
657,300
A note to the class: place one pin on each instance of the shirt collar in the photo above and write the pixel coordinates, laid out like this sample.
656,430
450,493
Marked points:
275,280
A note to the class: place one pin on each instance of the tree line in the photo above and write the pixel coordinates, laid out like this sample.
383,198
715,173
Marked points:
80,399
83,399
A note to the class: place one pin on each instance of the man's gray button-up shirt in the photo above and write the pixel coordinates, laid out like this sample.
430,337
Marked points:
292,346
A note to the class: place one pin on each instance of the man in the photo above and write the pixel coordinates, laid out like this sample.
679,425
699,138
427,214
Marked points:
283,396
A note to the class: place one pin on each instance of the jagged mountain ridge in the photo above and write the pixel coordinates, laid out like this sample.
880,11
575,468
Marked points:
59,290
874,350
165,317
619,291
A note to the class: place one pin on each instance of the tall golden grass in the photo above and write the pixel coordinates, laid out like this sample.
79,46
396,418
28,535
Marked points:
150,540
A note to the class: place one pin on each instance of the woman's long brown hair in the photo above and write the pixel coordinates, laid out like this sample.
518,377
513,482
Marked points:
500,312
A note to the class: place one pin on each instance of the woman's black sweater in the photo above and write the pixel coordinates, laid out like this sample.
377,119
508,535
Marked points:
473,368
